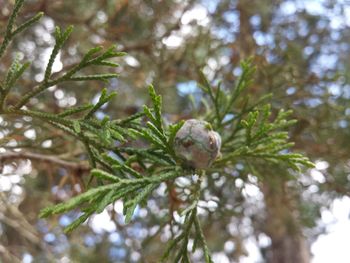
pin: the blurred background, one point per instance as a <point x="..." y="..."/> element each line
<point x="302" y="53"/>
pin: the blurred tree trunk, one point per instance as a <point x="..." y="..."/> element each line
<point x="245" y="39"/>
<point x="282" y="225"/>
<point x="288" y="243"/>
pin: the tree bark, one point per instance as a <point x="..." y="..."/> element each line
<point x="288" y="245"/>
<point x="245" y="38"/>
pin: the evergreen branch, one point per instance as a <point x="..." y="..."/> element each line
<point x="28" y="23"/>
<point x="75" y="110"/>
<point x="134" y="173"/>
<point x="263" y="139"/>
<point x="131" y="204"/>
<point x="191" y="219"/>
<point x="102" y="77"/>
<point x="108" y="63"/>
<point x="127" y="169"/>
<point x="116" y="134"/>
<point x="90" y="53"/>
<point x="61" y="38"/>
<point x="16" y="70"/>
<point x="78" y="222"/>
<point x="157" y="104"/>
<point x="38" y="89"/>
<point x="150" y="154"/>
<point x="144" y="133"/>
<point x="183" y="237"/>
<point x="69" y="75"/>
<point x="43" y="116"/>
<point x="206" y="87"/>
<point x="104" y="175"/>
<point x="76" y="201"/>
<point x="102" y="196"/>
<point x="157" y="133"/>
<point x="92" y="159"/>
<point x="8" y="34"/>
<point x="14" y="73"/>
<point x="247" y="71"/>
<point x="104" y="98"/>
<point x="129" y="118"/>
<point x="201" y="237"/>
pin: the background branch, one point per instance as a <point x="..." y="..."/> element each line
<point x="82" y="166"/>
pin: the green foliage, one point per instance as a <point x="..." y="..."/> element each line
<point x="254" y="136"/>
<point x="179" y="245"/>
<point x="131" y="173"/>
<point x="258" y="137"/>
<point x="95" y="135"/>
<point x="223" y="102"/>
<point x="92" y="57"/>
<point x="104" y="98"/>
<point x="13" y="74"/>
<point x="248" y="131"/>
<point x="61" y="38"/>
<point x="10" y="32"/>
<point x="133" y="191"/>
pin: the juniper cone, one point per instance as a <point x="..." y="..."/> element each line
<point x="197" y="144"/>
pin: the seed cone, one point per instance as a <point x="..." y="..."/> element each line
<point x="197" y="144"/>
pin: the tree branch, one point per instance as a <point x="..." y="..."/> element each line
<point x="45" y="158"/>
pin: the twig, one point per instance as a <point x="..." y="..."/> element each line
<point x="6" y="255"/>
<point x="82" y="166"/>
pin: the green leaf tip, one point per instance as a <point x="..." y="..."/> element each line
<point x="45" y="212"/>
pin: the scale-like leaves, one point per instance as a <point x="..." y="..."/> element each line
<point x="128" y="170"/>
<point x="96" y="199"/>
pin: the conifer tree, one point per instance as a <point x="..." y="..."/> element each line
<point x="129" y="158"/>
